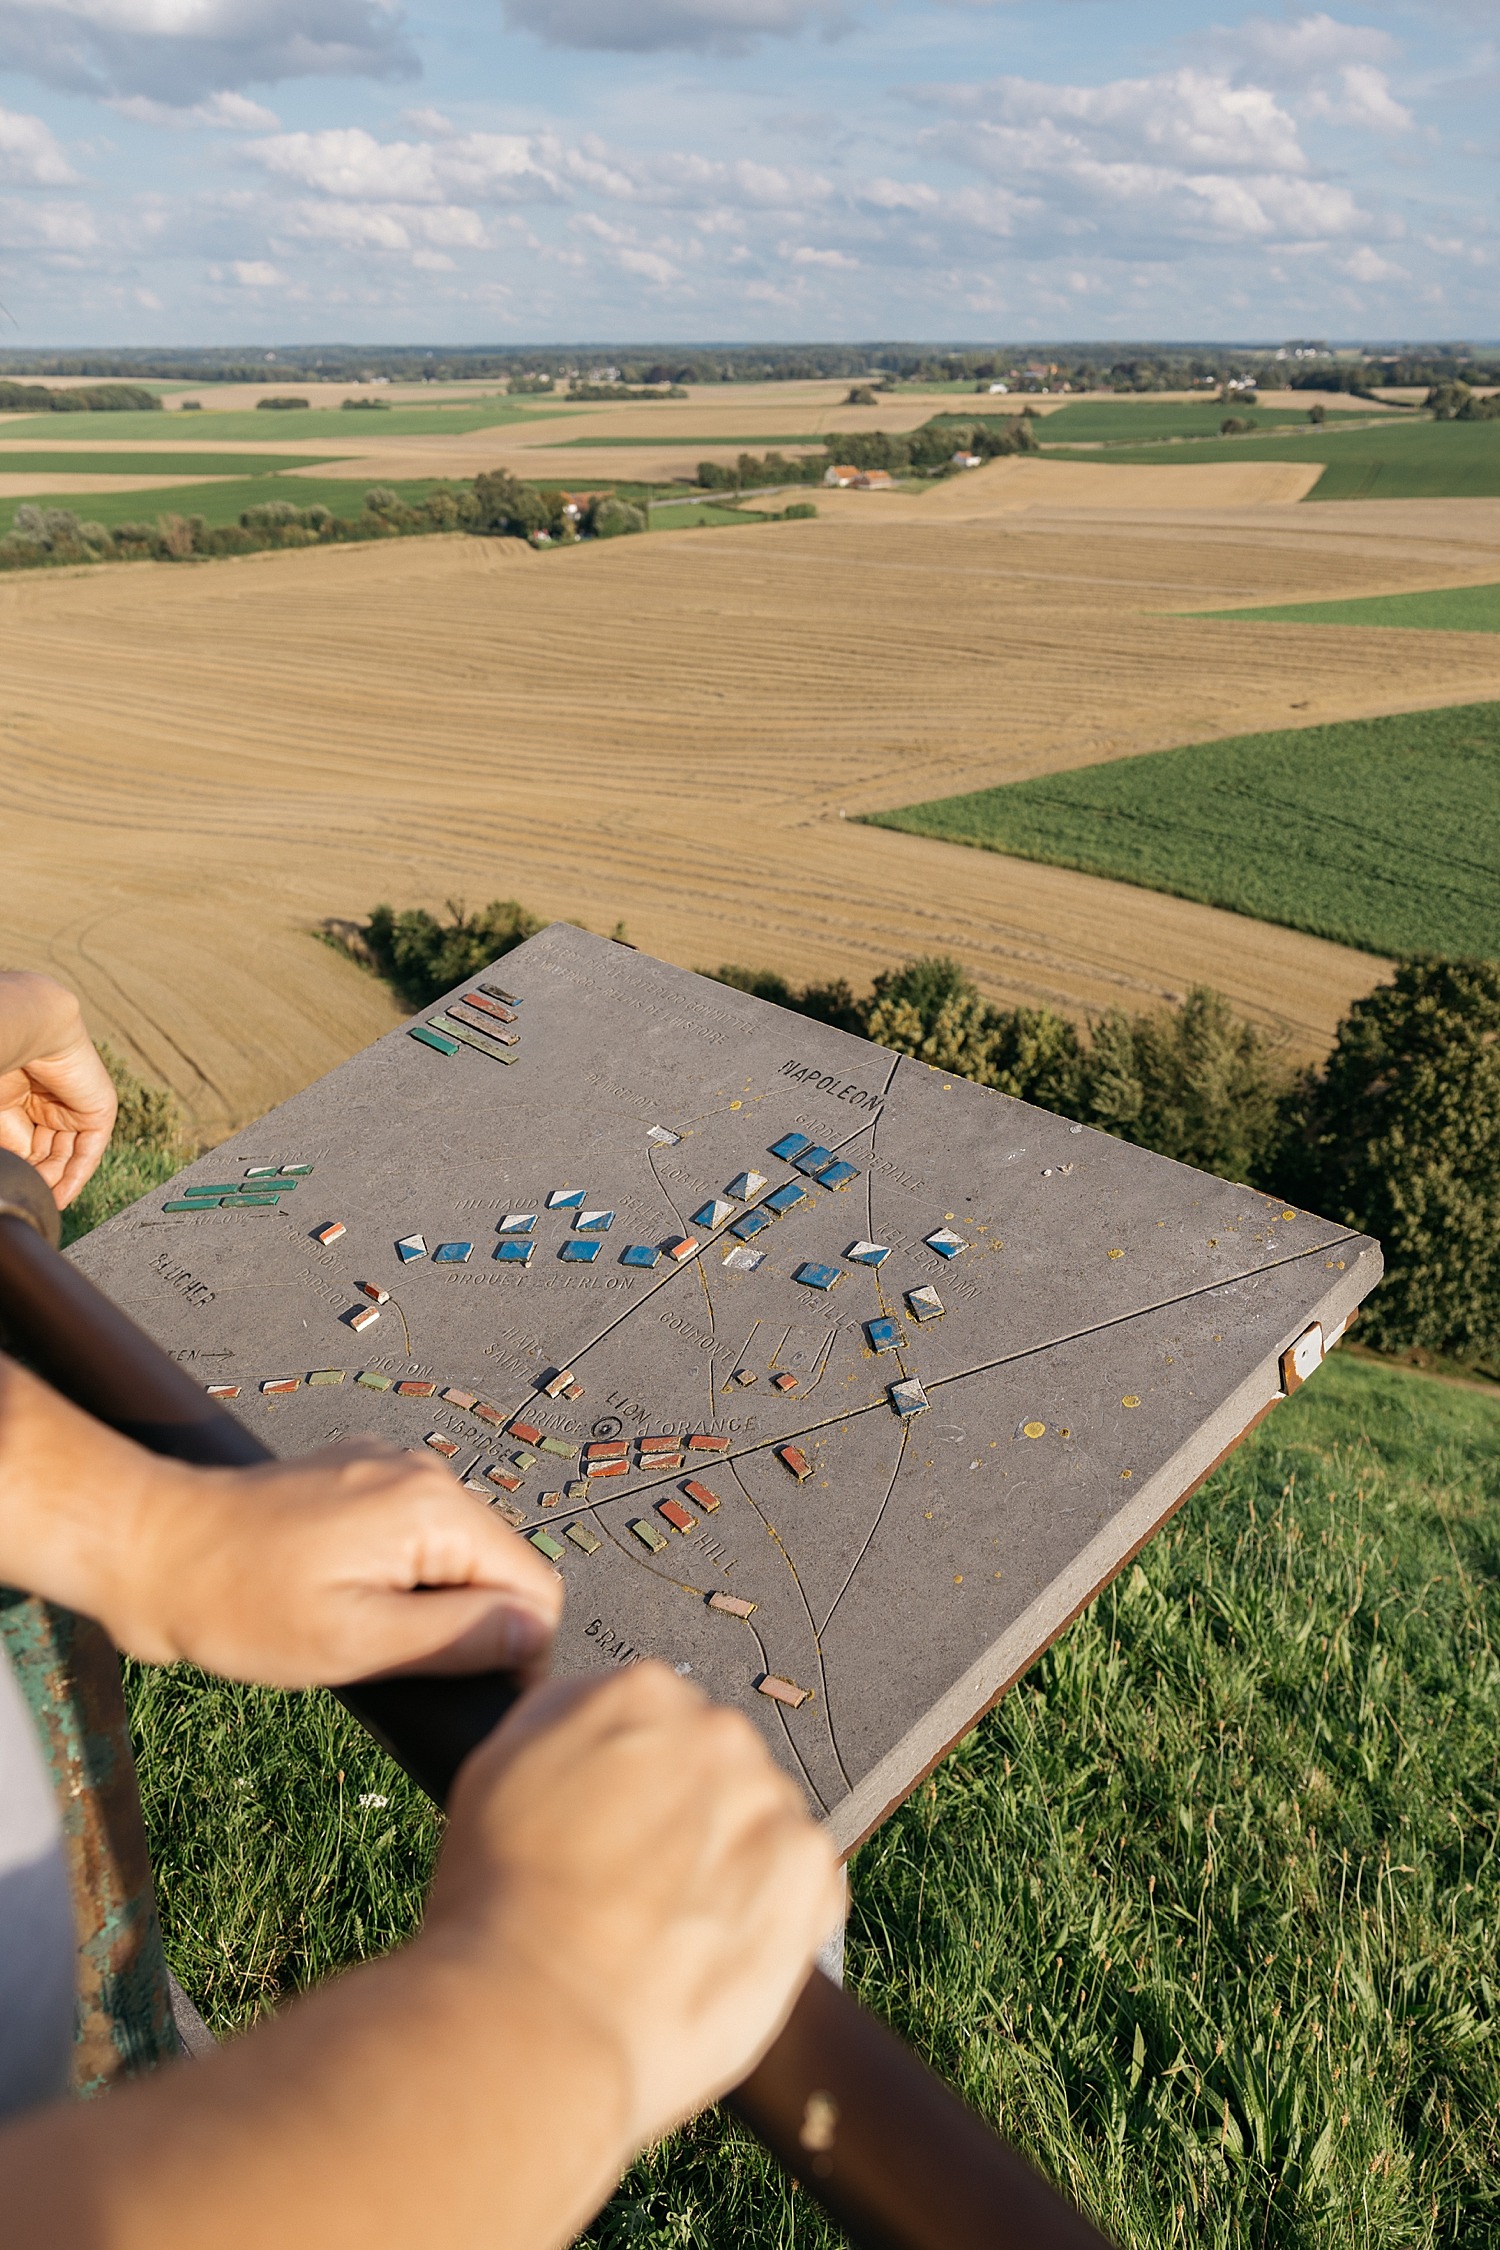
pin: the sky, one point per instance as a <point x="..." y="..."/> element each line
<point x="519" y="171"/>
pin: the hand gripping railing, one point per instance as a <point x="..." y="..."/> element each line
<point x="894" y="2157"/>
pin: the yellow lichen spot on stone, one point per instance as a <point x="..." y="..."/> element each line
<point x="1126" y="1474"/>
<point x="1117" y="1253"/>
<point x="1130" y="1399"/>
<point x="958" y="1581"/>
<point x="1033" y="1429"/>
<point x="1289" y="1214"/>
<point x="736" y="1105"/>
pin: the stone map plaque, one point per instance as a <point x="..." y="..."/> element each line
<point x="836" y="1382"/>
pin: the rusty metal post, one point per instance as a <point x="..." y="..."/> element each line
<point x="69" y="1673"/>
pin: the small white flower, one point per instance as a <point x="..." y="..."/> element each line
<point x="377" y="1802"/>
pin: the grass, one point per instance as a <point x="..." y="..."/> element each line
<point x="157" y="464"/>
<point x="1115" y="421"/>
<point x="221" y="502"/>
<point x="1391" y="460"/>
<point x="1205" y="1915"/>
<point x="686" y="515"/>
<point x="347" y="433"/>
<point x="1445" y="609"/>
<point x="1379" y="833"/>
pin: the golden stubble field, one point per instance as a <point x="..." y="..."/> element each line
<point x="202" y="762"/>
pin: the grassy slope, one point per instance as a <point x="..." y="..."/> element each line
<point x="1391" y="461"/>
<point x="1447" y="609"/>
<point x="1380" y="833"/>
<point x="343" y="433"/>
<point x="1205" y="1914"/>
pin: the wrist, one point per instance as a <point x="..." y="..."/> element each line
<point x="38" y="1016"/>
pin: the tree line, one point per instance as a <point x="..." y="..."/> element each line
<point x="927" y="451"/>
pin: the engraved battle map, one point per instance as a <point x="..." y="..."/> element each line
<point x="836" y="1382"/>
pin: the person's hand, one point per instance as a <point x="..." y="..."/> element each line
<point x="633" y="1851"/>
<point x="347" y="1563"/>
<point x="57" y="1105"/>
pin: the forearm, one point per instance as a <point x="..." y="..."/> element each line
<point x="81" y="1509"/>
<point x="398" y="2106"/>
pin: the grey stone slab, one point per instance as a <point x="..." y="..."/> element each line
<point x="923" y="1563"/>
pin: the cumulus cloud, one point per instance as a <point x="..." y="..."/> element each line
<point x="256" y="273"/>
<point x="67" y="228"/>
<point x="30" y="155"/>
<point x="1324" y="68"/>
<point x="648" y="26"/>
<point x="179" y="52"/>
<point x="1141" y="164"/>
<point x="234" y="113"/>
<point x="348" y="162"/>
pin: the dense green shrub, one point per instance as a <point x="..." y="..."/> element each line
<point x="281" y="404"/>
<point x="88" y="398"/>
<point x="422" y="957"/>
<point x="612" y="519"/>
<point x="1399" y="1135"/>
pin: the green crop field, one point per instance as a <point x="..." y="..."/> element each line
<point x="221" y="502"/>
<point x="329" y="425"/>
<point x="1446" y="609"/>
<point x="1116" y="421"/>
<point x="1380" y="833"/>
<point x="157" y="464"/>
<point x="1394" y="460"/>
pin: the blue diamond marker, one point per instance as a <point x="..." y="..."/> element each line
<point x="945" y="1242"/>
<point x="566" y="1199"/>
<point x="884" y="1335"/>
<point x="793" y="1145"/>
<point x="817" y="1277"/>
<point x="580" y="1253"/>
<point x="640" y="1254"/>
<point x="868" y="1253"/>
<point x="908" y="1398"/>
<point x="411" y="1246"/>
<point x="453" y="1253"/>
<point x="514" y="1253"/>
<point x="714" y="1212"/>
<point x="594" y="1222"/>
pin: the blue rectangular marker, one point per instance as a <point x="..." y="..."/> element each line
<point x="514" y="1252"/>
<point x="837" y="1175"/>
<point x="793" y="1145"/>
<point x="884" y="1335"/>
<point x="640" y="1254"/>
<point x="580" y="1253"/>
<point x="453" y="1253"/>
<point x="812" y="1160"/>
<point x="786" y="1198"/>
<point x="817" y="1277"/>
<point x="752" y="1223"/>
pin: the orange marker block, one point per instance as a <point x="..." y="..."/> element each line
<point x="793" y="1458"/>
<point x="783" y="1691"/>
<point x="700" y="1496"/>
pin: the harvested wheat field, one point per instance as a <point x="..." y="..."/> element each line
<point x="202" y="763"/>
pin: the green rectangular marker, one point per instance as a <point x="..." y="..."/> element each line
<point x="204" y="1203"/>
<point x="432" y="1039"/>
<point x="581" y="1536"/>
<point x="295" y="1171"/>
<point x="545" y="1544"/>
<point x="250" y="1203"/>
<point x="326" y="1375"/>
<point x="649" y="1536"/>
<point x="561" y="1447"/>
<point x="372" y="1381"/>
